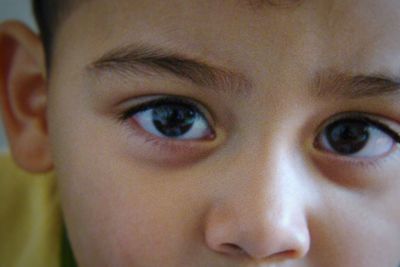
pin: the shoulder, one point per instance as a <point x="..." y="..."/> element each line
<point x="18" y="186"/>
<point x="29" y="217"/>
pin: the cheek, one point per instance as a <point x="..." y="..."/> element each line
<point x="119" y="218"/>
<point x="375" y="242"/>
<point x="362" y="216"/>
<point x="115" y="205"/>
<point x="360" y="229"/>
<point x="371" y="246"/>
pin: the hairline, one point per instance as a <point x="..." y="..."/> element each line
<point x="49" y="25"/>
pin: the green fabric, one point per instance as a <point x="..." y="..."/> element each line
<point x="67" y="257"/>
<point x="30" y="218"/>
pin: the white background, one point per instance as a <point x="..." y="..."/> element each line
<point x="14" y="9"/>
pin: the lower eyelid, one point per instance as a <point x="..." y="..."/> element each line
<point x="362" y="162"/>
<point x="354" y="175"/>
<point x="163" y="152"/>
<point x="167" y="143"/>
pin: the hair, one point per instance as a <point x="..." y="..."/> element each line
<point x="49" y="15"/>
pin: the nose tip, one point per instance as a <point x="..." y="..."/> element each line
<point x="269" y="239"/>
<point x="276" y="243"/>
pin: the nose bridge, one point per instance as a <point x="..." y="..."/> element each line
<point x="273" y="198"/>
<point x="270" y="174"/>
<point x="264" y="212"/>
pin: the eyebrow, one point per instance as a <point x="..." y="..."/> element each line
<point x="343" y="85"/>
<point x="150" y="60"/>
<point x="282" y="4"/>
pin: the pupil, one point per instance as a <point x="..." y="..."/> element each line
<point x="173" y="120"/>
<point x="348" y="136"/>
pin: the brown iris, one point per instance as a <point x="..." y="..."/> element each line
<point x="348" y="136"/>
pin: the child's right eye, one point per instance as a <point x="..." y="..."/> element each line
<point x="172" y="118"/>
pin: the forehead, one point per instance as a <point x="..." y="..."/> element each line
<point x="350" y="35"/>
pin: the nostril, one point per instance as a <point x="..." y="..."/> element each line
<point x="289" y="254"/>
<point x="233" y="249"/>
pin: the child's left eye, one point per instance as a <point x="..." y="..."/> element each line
<point x="172" y="119"/>
<point x="358" y="138"/>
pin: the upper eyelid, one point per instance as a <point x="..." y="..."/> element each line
<point x="352" y="115"/>
<point x="170" y="99"/>
<point x="372" y="119"/>
<point x="162" y="101"/>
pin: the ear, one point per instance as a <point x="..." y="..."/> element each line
<point x="23" y="96"/>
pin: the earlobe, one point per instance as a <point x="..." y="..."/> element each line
<point x="23" y="96"/>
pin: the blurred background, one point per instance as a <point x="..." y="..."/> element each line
<point x="14" y="9"/>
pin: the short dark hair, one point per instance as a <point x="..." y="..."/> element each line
<point x="49" y="15"/>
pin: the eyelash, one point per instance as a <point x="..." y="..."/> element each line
<point x="372" y="122"/>
<point x="163" y="100"/>
<point x="168" y="143"/>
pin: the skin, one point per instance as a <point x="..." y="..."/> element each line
<point x="261" y="193"/>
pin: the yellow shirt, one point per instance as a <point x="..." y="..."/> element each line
<point x="30" y="218"/>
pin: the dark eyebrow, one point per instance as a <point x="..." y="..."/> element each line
<point x="282" y="4"/>
<point x="148" y="60"/>
<point x="343" y="85"/>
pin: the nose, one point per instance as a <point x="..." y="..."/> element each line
<point x="263" y="217"/>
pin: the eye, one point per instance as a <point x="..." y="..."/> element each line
<point x="357" y="137"/>
<point x="172" y="118"/>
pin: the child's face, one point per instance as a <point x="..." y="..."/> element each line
<point x="279" y="149"/>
